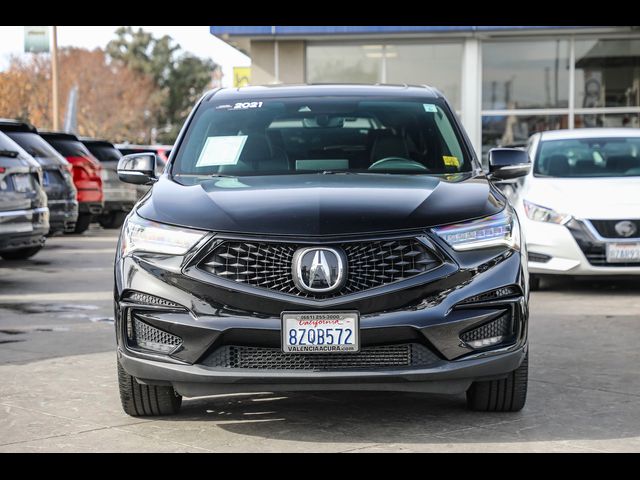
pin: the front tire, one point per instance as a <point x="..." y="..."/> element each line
<point x="146" y="400"/>
<point x="21" y="254"/>
<point x="506" y="395"/>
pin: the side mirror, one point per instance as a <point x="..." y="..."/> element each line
<point x="138" y="168"/>
<point x="508" y="163"/>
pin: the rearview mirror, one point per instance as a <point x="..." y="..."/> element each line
<point x="508" y="163"/>
<point x="138" y="168"/>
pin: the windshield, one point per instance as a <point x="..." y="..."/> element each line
<point x="589" y="157"/>
<point x="310" y="135"/>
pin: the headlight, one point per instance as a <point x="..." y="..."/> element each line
<point x="501" y="229"/>
<point x="139" y="234"/>
<point x="544" y="214"/>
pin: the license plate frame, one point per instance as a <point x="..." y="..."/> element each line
<point x="613" y="247"/>
<point x="343" y="319"/>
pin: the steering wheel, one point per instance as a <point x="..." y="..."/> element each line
<point x="396" y="163"/>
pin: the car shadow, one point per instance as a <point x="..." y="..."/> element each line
<point x="404" y="418"/>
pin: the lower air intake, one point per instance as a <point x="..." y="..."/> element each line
<point x="152" y="338"/>
<point x="387" y="356"/>
<point x="492" y="333"/>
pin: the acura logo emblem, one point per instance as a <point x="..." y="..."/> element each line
<point x="625" y="228"/>
<point x="318" y="269"/>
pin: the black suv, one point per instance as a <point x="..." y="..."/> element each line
<point x="322" y="237"/>
<point x="56" y="175"/>
<point x="24" y="216"/>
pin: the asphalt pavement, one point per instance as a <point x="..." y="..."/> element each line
<point x="58" y="389"/>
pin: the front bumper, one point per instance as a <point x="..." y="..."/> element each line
<point x="573" y="249"/>
<point x="426" y="310"/>
<point x="199" y="380"/>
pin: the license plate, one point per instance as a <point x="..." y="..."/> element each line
<point x="22" y="183"/>
<point x="320" y="332"/>
<point x="623" y="252"/>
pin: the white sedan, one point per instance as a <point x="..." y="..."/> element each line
<point x="580" y="204"/>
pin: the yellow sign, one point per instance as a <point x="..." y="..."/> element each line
<point x="451" y="161"/>
<point x="241" y="76"/>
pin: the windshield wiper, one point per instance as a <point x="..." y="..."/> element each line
<point x="221" y="175"/>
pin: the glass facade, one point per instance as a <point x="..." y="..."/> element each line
<point x="436" y="64"/>
<point x="529" y="83"/>
<point x="607" y="73"/>
<point x="527" y="86"/>
<point x="531" y="74"/>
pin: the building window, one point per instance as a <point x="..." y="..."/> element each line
<point x="607" y="73"/>
<point x="525" y="74"/>
<point x="435" y="64"/>
<point x="526" y="86"/>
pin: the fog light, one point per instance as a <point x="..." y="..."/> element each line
<point x="489" y="334"/>
<point x="485" y="342"/>
<point x="129" y="326"/>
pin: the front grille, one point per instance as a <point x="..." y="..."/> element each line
<point x="607" y="228"/>
<point x="152" y="338"/>
<point x="369" y="264"/>
<point x="497" y="331"/>
<point x="594" y="250"/>
<point x="597" y="256"/>
<point x="387" y="356"/>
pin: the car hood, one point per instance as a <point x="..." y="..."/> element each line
<point x="597" y="198"/>
<point x="316" y="204"/>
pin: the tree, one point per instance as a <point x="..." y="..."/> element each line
<point x="180" y="77"/>
<point x="114" y="101"/>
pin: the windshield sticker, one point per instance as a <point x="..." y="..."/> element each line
<point x="430" y="107"/>
<point x="219" y="151"/>
<point x="451" y="161"/>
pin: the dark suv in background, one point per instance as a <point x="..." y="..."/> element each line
<point x="87" y="176"/>
<point x="119" y="197"/>
<point x="24" y="216"/>
<point x="56" y="175"/>
<point x="322" y="238"/>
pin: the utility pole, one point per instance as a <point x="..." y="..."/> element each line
<point x="54" y="78"/>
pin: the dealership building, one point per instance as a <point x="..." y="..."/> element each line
<point x="505" y="82"/>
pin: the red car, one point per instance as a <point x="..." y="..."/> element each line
<point x="87" y="177"/>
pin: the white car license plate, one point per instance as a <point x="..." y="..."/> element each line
<point x="623" y="252"/>
<point x="320" y="332"/>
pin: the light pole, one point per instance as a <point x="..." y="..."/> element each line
<point x="54" y="77"/>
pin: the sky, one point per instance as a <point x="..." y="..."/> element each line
<point x="196" y="40"/>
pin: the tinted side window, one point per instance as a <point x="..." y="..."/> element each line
<point x="33" y="144"/>
<point x="70" y="148"/>
<point x="104" y="153"/>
